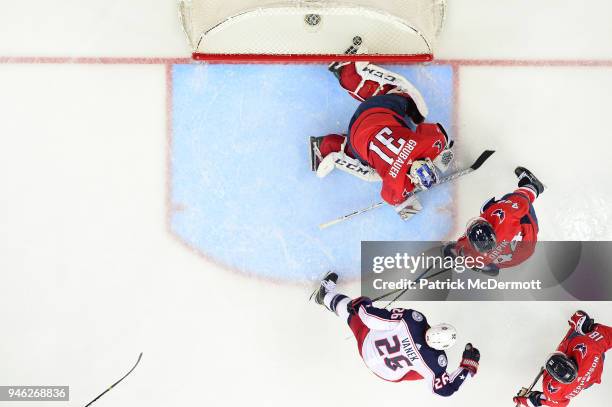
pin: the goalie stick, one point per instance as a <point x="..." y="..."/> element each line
<point x="524" y="391"/>
<point x="116" y="383"/>
<point x="451" y="177"/>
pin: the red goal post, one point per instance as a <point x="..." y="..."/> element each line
<point x="311" y="31"/>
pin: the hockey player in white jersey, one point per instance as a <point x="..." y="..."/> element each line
<point x="399" y="344"/>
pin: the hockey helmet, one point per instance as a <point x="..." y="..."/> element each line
<point x="423" y="174"/>
<point x="441" y="337"/>
<point x="561" y="368"/>
<point x="481" y="235"/>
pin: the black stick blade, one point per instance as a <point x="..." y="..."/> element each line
<point x="481" y="160"/>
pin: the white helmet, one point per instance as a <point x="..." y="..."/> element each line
<point x="423" y="174"/>
<point x="441" y="337"/>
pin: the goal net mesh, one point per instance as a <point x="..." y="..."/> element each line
<point x="268" y="28"/>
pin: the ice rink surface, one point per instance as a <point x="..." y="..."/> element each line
<point x="92" y="272"/>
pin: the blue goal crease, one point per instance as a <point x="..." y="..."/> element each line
<point x="241" y="172"/>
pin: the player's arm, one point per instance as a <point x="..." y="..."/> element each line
<point x="446" y="385"/>
<point x="582" y="324"/>
<point x="538" y="399"/>
<point x="363" y="80"/>
<point x="606" y="332"/>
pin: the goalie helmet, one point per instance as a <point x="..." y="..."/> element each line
<point x="562" y="368"/>
<point x="481" y="235"/>
<point x="441" y="337"/>
<point x="423" y="174"/>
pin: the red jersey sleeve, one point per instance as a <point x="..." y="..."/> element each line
<point x="606" y="332"/>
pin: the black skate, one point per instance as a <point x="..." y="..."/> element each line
<point x="315" y="154"/>
<point x="336" y="67"/>
<point x="527" y="179"/>
<point x="328" y="283"/>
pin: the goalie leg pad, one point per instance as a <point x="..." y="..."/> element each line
<point x="349" y="165"/>
<point x="363" y="80"/>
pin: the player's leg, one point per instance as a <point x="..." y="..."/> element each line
<point x="330" y="152"/>
<point x="528" y="183"/>
<point x="326" y="295"/>
<point x="340" y="305"/>
<point x="529" y="188"/>
<point x="364" y="80"/>
<point x="321" y="147"/>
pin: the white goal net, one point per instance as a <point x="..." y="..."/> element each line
<point x="302" y="30"/>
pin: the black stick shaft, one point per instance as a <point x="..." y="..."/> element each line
<point x="116" y="383"/>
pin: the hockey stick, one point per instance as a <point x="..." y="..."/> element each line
<point x="477" y="164"/>
<point x="525" y="391"/>
<point x="419" y="278"/>
<point x="117" y="382"/>
<point x="399" y="290"/>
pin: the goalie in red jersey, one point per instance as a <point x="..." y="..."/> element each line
<point x="506" y="233"/>
<point x="575" y="366"/>
<point x="387" y="139"/>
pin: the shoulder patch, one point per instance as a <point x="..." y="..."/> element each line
<point x="552" y="389"/>
<point x="442" y="361"/>
<point x="417" y="316"/>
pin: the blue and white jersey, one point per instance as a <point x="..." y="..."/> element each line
<point x="395" y="349"/>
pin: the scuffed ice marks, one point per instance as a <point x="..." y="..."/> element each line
<point x="594" y="224"/>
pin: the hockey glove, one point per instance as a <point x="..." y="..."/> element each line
<point x="353" y="306"/>
<point x="490" y="270"/>
<point x="408" y="208"/>
<point x="581" y="322"/>
<point x="451" y="250"/>
<point x="471" y="357"/>
<point x="531" y="399"/>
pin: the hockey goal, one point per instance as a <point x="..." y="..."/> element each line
<point x="308" y="30"/>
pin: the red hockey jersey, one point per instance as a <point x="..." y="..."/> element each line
<point x="588" y="352"/>
<point x="381" y="137"/>
<point x="516" y="230"/>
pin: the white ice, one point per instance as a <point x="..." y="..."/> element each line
<point x="91" y="277"/>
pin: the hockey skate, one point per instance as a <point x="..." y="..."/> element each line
<point x="315" y="153"/>
<point x="328" y="284"/>
<point x="336" y="67"/>
<point x="526" y="178"/>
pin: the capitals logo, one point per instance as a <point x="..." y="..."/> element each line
<point x="581" y="347"/>
<point x="500" y="214"/>
<point x="552" y="389"/>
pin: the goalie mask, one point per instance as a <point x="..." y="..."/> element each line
<point x="481" y="236"/>
<point x="423" y="174"/>
<point x="441" y="337"/>
<point x="562" y="368"/>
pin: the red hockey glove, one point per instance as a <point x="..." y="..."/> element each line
<point x="531" y="399"/>
<point x="581" y="322"/>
